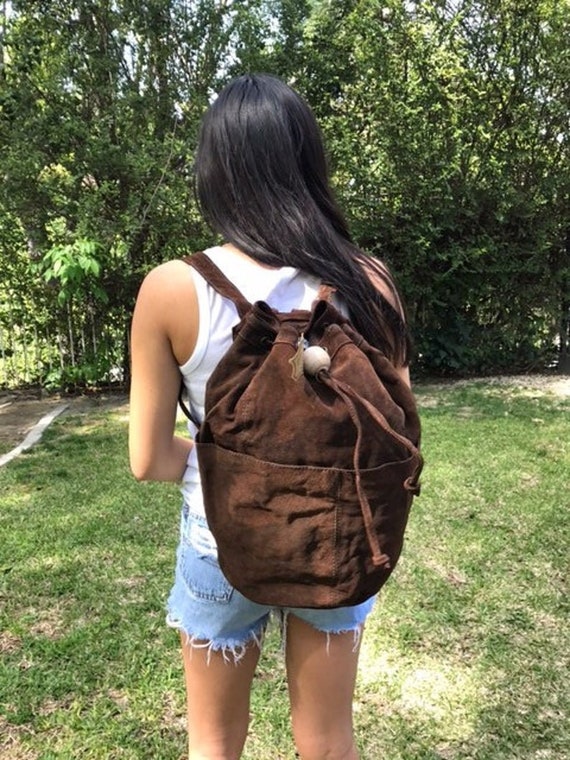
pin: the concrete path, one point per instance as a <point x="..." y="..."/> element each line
<point x="34" y="435"/>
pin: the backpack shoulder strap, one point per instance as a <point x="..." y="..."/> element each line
<point x="225" y="287"/>
<point x="218" y="280"/>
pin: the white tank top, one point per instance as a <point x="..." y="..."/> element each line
<point x="284" y="289"/>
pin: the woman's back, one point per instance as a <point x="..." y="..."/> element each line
<point x="283" y="288"/>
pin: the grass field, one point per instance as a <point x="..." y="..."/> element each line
<point x="466" y="655"/>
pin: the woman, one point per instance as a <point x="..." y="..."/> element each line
<point x="262" y="184"/>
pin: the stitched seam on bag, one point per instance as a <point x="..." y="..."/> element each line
<point x="253" y="459"/>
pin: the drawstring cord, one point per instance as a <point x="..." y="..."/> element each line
<point x="411" y="484"/>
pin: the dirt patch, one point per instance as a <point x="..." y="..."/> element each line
<point x="9" y="643"/>
<point x="431" y="394"/>
<point x="556" y="385"/>
<point x="11" y="745"/>
<point x="21" y="411"/>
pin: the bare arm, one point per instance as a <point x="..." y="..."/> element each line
<point x="165" y="323"/>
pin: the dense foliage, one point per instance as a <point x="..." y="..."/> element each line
<point x="446" y="121"/>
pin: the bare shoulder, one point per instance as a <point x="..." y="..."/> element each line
<point x="167" y="306"/>
<point x="165" y="288"/>
<point x="168" y="279"/>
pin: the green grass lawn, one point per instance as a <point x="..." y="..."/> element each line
<point x="466" y="655"/>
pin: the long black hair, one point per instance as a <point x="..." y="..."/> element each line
<point x="261" y="181"/>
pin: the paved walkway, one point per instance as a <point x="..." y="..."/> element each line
<point x="24" y="418"/>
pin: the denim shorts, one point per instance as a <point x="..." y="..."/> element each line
<point x="214" y="615"/>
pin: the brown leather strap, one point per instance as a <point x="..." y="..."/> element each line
<point x="225" y="287"/>
<point x="218" y="280"/>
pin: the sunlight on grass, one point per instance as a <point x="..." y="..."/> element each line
<point x="464" y="657"/>
<point x="439" y="691"/>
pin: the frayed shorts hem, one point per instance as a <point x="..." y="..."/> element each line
<point x="211" y="614"/>
<point x="232" y="649"/>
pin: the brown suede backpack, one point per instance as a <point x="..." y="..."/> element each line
<point x="308" y="455"/>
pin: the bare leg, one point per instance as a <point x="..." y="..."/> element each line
<point x="217" y="692"/>
<point x="321" y="671"/>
